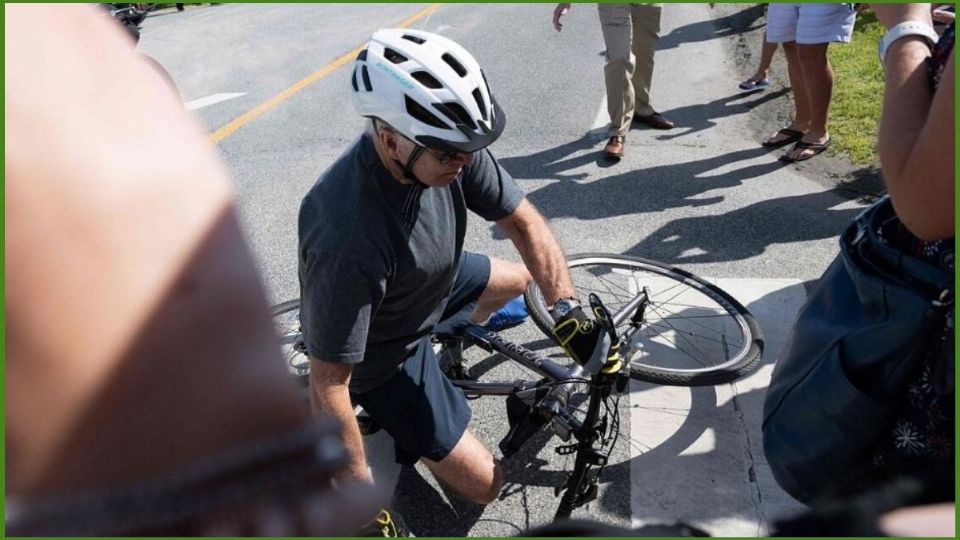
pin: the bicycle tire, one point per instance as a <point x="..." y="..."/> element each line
<point x="717" y="367"/>
<point x="286" y="320"/>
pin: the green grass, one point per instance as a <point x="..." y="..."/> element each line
<point x="857" y="92"/>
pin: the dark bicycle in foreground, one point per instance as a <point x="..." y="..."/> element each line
<point x="666" y="326"/>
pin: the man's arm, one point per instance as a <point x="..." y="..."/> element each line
<point x="540" y="251"/>
<point x="330" y="396"/>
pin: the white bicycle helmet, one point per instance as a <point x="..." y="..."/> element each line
<point x="428" y="88"/>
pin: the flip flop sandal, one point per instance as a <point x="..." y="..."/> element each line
<point x="816" y="148"/>
<point x="753" y="84"/>
<point x="792" y="137"/>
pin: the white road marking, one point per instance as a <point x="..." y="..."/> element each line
<point x="211" y="100"/>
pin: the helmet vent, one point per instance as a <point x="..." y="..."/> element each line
<point x="455" y="112"/>
<point x="417" y="111"/>
<point x="362" y="56"/>
<point x="427" y="80"/>
<point x="353" y="80"/>
<point x="415" y="39"/>
<point x="394" y="56"/>
<point x="456" y="66"/>
<point x="479" y="98"/>
<point x="366" y="79"/>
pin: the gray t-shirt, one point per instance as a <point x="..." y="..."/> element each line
<point x="378" y="258"/>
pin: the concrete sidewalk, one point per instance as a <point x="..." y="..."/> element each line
<point x="697" y="453"/>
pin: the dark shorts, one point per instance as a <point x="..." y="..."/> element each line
<point x="424" y="413"/>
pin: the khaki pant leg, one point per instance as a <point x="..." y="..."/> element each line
<point x="618" y="72"/>
<point x="646" y="33"/>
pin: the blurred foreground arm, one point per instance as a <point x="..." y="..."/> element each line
<point x="138" y="335"/>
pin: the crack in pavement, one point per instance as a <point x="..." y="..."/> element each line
<point x="756" y="495"/>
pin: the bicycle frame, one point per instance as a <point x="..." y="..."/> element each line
<point x="492" y="342"/>
<point x="580" y="488"/>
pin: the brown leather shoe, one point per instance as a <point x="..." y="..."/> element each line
<point x="614" y="147"/>
<point x="654" y="120"/>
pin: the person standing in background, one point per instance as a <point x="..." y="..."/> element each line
<point x="806" y="31"/>
<point x="630" y="34"/>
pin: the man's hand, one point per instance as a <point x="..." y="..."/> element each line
<point x="585" y="340"/>
<point x="561" y="10"/>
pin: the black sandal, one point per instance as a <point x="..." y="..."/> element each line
<point x="816" y="148"/>
<point x="793" y="136"/>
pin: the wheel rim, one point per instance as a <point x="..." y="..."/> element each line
<point x="286" y="321"/>
<point x="690" y="327"/>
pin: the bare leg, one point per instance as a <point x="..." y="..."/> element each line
<point x="470" y="470"/>
<point x="507" y="280"/>
<point x="766" y="58"/>
<point x="801" y="100"/>
<point x="818" y="78"/>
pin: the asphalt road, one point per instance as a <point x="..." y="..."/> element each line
<point x="703" y="196"/>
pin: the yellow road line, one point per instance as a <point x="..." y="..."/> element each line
<point x="246" y="117"/>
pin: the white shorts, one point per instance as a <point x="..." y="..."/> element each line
<point x="810" y="23"/>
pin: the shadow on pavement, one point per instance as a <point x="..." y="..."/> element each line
<point x="636" y="191"/>
<point x="711" y="29"/>
<point x="554" y="163"/>
<point x="746" y="232"/>
<point x="700" y="117"/>
<point x="427" y="513"/>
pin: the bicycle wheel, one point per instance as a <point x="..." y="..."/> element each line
<point x="691" y="333"/>
<point x="286" y="319"/>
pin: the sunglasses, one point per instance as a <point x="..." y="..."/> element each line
<point x="444" y="157"/>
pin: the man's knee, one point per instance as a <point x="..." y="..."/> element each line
<point x="470" y="470"/>
<point x="522" y="277"/>
<point x="508" y="279"/>
<point x="493" y="488"/>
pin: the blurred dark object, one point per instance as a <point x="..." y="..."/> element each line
<point x="587" y="528"/>
<point x="843" y="514"/>
<point x="128" y="15"/>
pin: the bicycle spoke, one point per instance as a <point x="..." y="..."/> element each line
<point x="718" y="340"/>
<point x="681" y="334"/>
<point x="677" y="347"/>
<point x="676" y="330"/>
<point x="658" y="293"/>
<point x="690" y="318"/>
<point x="606" y="283"/>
